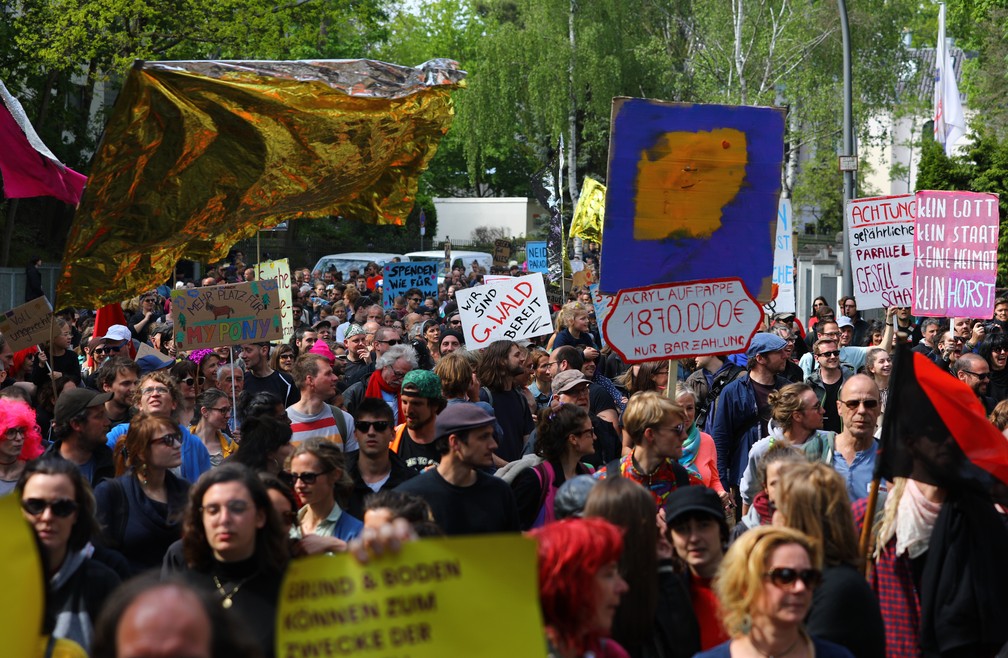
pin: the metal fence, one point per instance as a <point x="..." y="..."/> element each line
<point x="12" y="284"/>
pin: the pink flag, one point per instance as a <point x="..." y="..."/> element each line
<point x="28" y="167"/>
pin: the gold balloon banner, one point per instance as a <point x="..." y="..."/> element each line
<point x="199" y="155"/>
<point x="590" y="212"/>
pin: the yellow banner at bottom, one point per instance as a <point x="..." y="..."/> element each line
<point x="460" y="596"/>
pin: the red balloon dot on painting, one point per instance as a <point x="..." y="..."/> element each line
<point x="725" y="144"/>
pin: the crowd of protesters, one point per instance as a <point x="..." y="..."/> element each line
<point x="708" y="510"/>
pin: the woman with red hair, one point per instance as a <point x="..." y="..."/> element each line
<point x="580" y="586"/>
<point x="20" y="441"/>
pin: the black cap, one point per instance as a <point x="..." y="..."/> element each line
<point x="695" y="499"/>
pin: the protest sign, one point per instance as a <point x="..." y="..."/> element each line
<point x="513" y="309"/>
<point x="419" y="603"/>
<point x="682" y="319"/>
<point x="535" y="255"/>
<point x="502" y="252"/>
<point x="692" y="193"/>
<point x="280" y="270"/>
<point x="955" y="254"/>
<point x="783" y="261"/>
<point x="27" y="325"/>
<point x="400" y="277"/>
<point x="881" y="243"/>
<point x="603" y="304"/>
<point x="490" y="278"/>
<point x="21" y="614"/>
<point x="230" y="314"/>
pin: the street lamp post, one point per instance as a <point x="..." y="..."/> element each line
<point x="848" y="146"/>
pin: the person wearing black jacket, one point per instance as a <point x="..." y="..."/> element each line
<point x="81" y="426"/>
<point x="373" y="467"/>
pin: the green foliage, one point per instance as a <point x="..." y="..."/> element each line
<point x="983" y="169"/>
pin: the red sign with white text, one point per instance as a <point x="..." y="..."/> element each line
<point x="676" y="320"/>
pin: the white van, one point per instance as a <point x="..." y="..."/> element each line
<point x="354" y="260"/>
<point x="463" y="258"/>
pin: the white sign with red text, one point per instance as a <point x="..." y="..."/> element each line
<point x="881" y="248"/>
<point x="512" y="309"/>
<point x="603" y="304"/>
<point x="676" y="320"/>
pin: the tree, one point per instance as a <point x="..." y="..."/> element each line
<point x="983" y="169"/>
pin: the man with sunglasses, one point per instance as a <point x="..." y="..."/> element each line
<point x="373" y="467"/>
<point x="851" y="355"/>
<point x="973" y="370"/>
<point x="827" y="380"/>
<point x="855" y="448"/>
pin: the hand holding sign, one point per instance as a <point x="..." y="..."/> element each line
<point x="677" y="320"/>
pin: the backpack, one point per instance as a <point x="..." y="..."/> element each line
<point x="340" y="423"/>
<point x="544" y="472"/>
<point x="707" y="406"/>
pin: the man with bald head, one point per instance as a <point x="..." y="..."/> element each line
<point x="974" y="371"/>
<point x="854" y="448"/>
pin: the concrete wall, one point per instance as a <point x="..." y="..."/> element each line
<point x="458" y="217"/>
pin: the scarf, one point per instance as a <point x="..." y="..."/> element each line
<point x="915" y="521"/>
<point x="764" y="508"/>
<point x="690" y="448"/>
<point x="376" y="386"/>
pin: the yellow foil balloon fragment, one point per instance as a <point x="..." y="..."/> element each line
<point x="685" y="180"/>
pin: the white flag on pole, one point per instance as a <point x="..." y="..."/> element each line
<point x="949" y="121"/>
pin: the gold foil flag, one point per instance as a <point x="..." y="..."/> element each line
<point x="199" y="155"/>
<point x="590" y="212"/>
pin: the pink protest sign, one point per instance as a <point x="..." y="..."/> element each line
<point x="955" y="254"/>
<point x="677" y="320"/>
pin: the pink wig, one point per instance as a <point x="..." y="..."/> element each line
<point x="17" y="414"/>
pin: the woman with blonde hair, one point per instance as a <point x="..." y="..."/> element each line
<point x="765" y="586"/>
<point x="318" y="475"/>
<point x="878" y="365"/>
<point x="813" y="499"/>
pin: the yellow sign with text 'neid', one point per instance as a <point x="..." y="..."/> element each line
<point x="437" y="597"/>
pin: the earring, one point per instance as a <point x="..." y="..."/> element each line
<point x="746" y="625"/>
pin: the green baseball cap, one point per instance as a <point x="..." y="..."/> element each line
<point x="421" y="383"/>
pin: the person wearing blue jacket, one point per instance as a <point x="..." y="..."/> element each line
<point x="157" y="394"/>
<point x="743" y="409"/>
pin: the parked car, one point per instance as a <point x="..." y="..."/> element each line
<point x="355" y="260"/>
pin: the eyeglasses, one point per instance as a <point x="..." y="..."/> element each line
<point x="416" y="299"/>
<point x="552" y="363"/>
<point x="390" y="343"/>
<point x="455" y="323"/>
<point x="832" y="334"/>
<point x="399" y="375"/>
<point x="999" y="349"/>
<point x="15" y="431"/>
<point x="288" y="355"/>
<point x="307" y="477"/>
<point x="62" y="508"/>
<point x="583" y="433"/>
<point x="366" y="425"/>
<point x="978" y="375"/>
<point x="224" y="410"/>
<point x="151" y="390"/>
<point x="785" y="578"/>
<point x="829" y="353"/>
<point x="869" y="403"/>
<point x="236" y="507"/>
<point x="814" y="407"/>
<point x="169" y="440"/>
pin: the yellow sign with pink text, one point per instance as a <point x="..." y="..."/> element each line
<point x="437" y="597"/>
<point x="230" y="314"/>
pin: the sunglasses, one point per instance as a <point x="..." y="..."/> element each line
<point x="366" y="425"/>
<point x="235" y="507"/>
<point x="188" y="381"/>
<point x="785" y="577"/>
<point x="390" y="343"/>
<point x="62" y="508"/>
<point x="830" y="353"/>
<point x="978" y="375"/>
<point x="169" y="440"/>
<point x="869" y="403"/>
<point x="307" y="477"/>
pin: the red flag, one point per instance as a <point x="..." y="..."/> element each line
<point x="936" y="430"/>
<point x="28" y="167"/>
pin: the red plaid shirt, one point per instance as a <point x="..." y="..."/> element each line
<point x="892" y="581"/>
